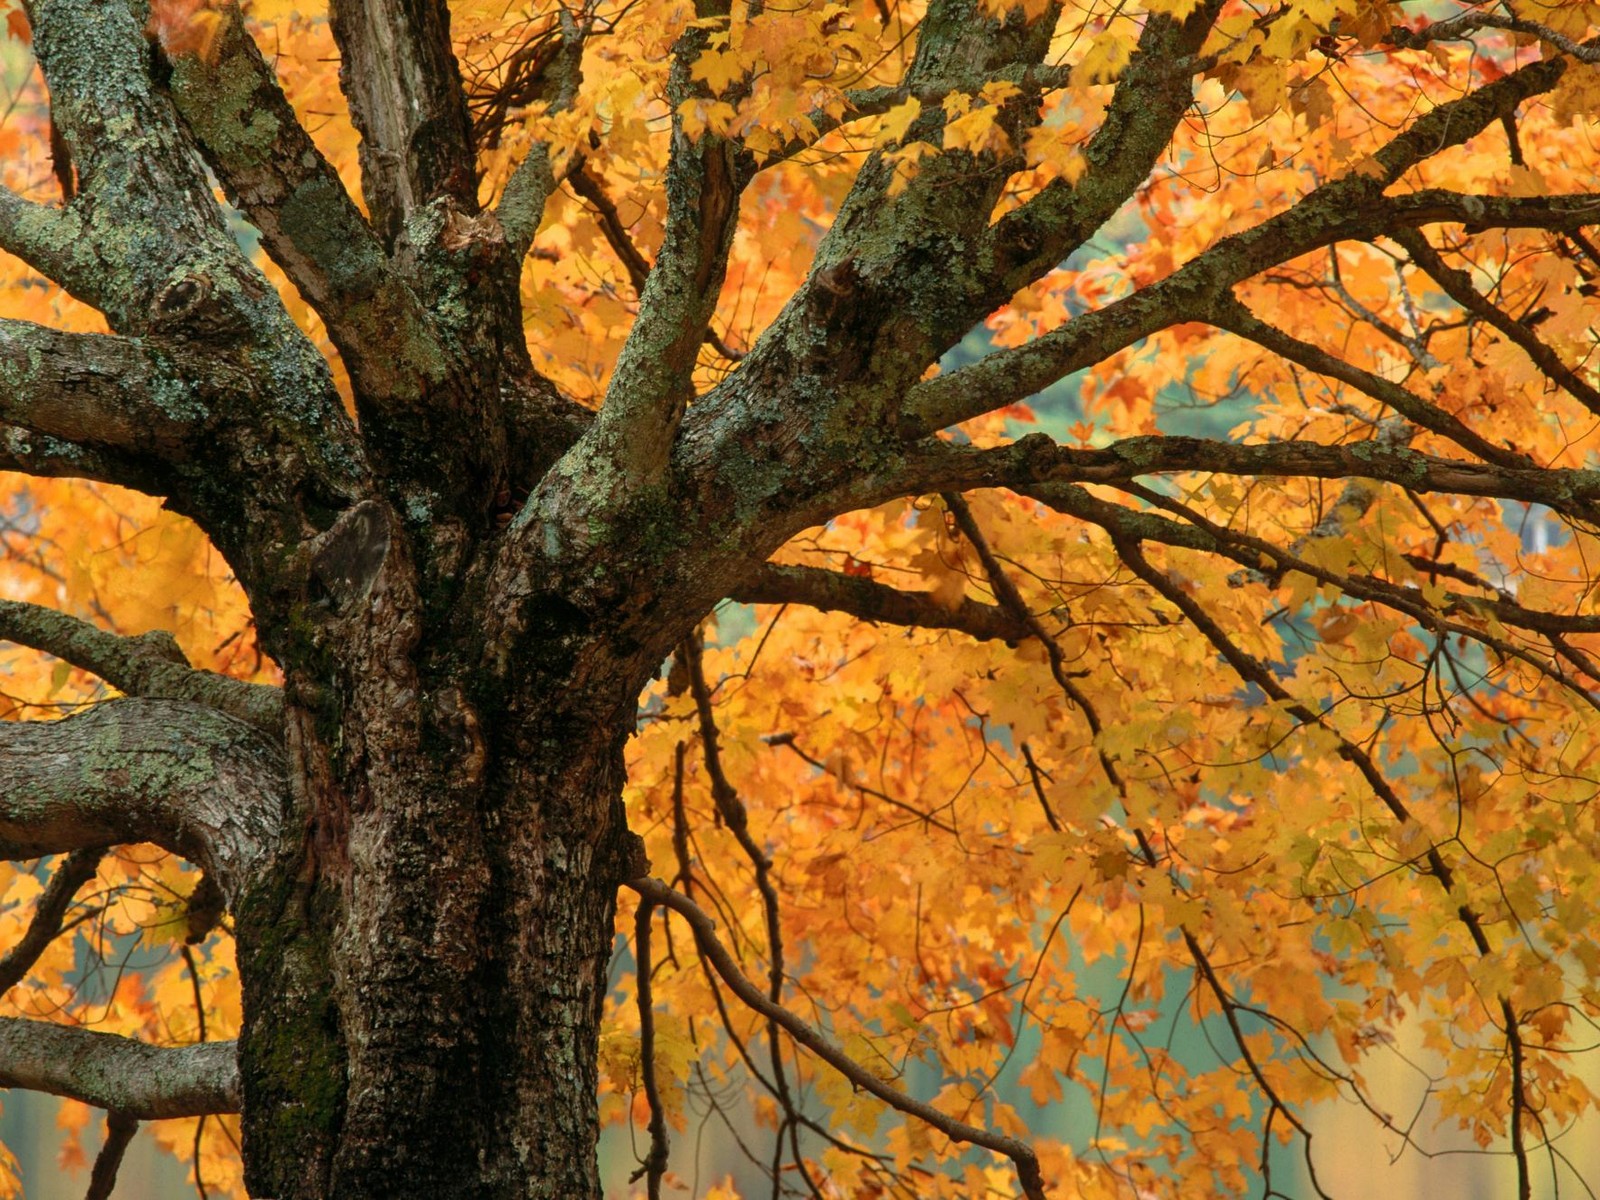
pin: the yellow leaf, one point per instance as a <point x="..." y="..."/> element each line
<point x="897" y="120"/>
<point x="718" y="69"/>
<point x="1105" y="59"/>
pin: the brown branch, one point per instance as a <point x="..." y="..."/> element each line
<point x="652" y="382"/>
<point x="1255" y="553"/>
<point x="1233" y="316"/>
<point x="533" y="181"/>
<point x="732" y="810"/>
<point x="1252" y="671"/>
<point x="655" y="1162"/>
<point x="193" y="781"/>
<point x="1458" y="28"/>
<point x="832" y="591"/>
<point x="309" y="224"/>
<point x="400" y="77"/>
<point x="704" y="928"/>
<point x="120" y="1128"/>
<point x="1351" y="206"/>
<point x="1149" y="101"/>
<point x="616" y="233"/>
<point x="1012" y="603"/>
<point x="787" y="739"/>
<point x="111" y="394"/>
<point x="48" y="913"/>
<point x="622" y="245"/>
<point x="931" y="466"/>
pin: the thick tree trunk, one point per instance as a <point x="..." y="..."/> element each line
<point x="425" y="967"/>
<point x="423" y="1019"/>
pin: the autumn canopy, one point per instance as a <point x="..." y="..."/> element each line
<point x="918" y="598"/>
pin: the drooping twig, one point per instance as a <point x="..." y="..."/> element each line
<point x="1020" y="1153"/>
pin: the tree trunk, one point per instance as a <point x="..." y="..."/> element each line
<point x="424" y="970"/>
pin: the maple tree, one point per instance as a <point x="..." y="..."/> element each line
<point x="497" y="483"/>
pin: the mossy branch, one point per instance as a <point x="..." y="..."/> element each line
<point x="148" y="665"/>
<point x="141" y="1081"/>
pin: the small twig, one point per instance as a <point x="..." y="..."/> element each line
<point x="1027" y="1163"/>
<point x="1038" y="788"/>
<point x="48" y="914"/>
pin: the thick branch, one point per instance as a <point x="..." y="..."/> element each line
<point x="107" y="393"/>
<point x="149" y="665"/>
<point x="277" y="177"/>
<point x="653" y="380"/>
<point x="149" y="1083"/>
<point x="936" y="466"/>
<point x="656" y="892"/>
<point x="1149" y="101"/>
<point x="831" y="591"/>
<point x="403" y="84"/>
<point x="184" y="777"/>
<point x="120" y="1128"/>
<point x="38" y="234"/>
<point x="144" y="206"/>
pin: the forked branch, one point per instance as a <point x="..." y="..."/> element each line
<point x="404" y="88"/>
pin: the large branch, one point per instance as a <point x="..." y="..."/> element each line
<point x="43" y="237"/>
<point x="276" y="176"/>
<point x="935" y="466"/>
<point x="147" y="1082"/>
<point x="103" y="392"/>
<point x="404" y="88"/>
<point x="653" y="380"/>
<point x="144" y="205"/>
<point x="1150" y="99"/>
<point x="148" y="665"/>
<point x="190" y="780"/>
<point x="831" y="591"/>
